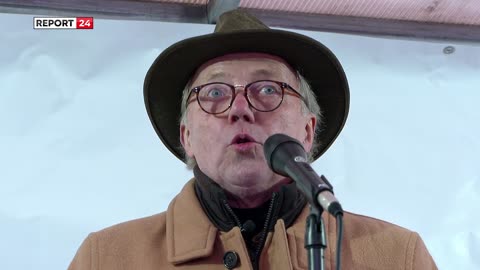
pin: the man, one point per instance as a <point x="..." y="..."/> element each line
<point x="242" y="84"/>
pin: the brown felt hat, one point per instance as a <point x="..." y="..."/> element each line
<point x="238" y="31"/>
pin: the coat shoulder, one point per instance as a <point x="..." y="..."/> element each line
<point x="364" y="229"/>
<point x="368" y="224"/>
<point x="384" y="245"/>
<point x="123" y="241"/>
<point x="124" y="246"/>
<point x="141" y="229"/>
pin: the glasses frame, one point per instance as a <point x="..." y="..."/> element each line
<point x="284" y="86"/>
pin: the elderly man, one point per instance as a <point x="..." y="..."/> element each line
<point x="242" y="84"/>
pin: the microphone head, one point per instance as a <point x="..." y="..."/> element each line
<point x="248" y="227"/>
<point x="280" y="149"/>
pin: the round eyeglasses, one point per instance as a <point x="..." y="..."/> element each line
<point x="263" y="96"/>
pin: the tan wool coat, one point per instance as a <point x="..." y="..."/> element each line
<point x="184" y="238"/>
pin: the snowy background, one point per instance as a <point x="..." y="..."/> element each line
<point x="78" y="153"/>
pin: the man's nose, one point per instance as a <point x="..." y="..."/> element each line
<point x="240" y="109"/>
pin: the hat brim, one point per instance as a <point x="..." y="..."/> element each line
<point x="173" y="68"/>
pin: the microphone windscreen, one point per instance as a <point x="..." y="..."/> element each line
<point x="279" y="148"/>
<point x="249" y="226"/>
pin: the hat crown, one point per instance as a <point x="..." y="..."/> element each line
<point x="237" y="20"/>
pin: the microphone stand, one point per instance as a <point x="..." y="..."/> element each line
<point x="315" y="239"/>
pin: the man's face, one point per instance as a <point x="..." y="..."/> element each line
<point x="217" y="142"/>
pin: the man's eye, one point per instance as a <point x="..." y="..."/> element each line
<point x="268" y="90"/>
<point x="215" y="93"/>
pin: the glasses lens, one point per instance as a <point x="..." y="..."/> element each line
<point x="215" y="97"/>
<point x="265" y="95"/>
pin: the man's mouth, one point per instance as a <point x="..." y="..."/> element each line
<point x="242" y="139"/>
<point x="243" y="143"/>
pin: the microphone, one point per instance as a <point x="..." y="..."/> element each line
<point x="248" y="227"/>
<point x="286" y="156"/>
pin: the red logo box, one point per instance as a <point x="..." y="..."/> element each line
<point x="84" y="22"/>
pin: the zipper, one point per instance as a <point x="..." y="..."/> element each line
<point x="235" y="218"/>
<point x="264" y="232"/>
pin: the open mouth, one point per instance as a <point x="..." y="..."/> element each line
<point x="242" y="139"/>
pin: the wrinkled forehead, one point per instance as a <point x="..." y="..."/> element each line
<point x="245" y="66"/>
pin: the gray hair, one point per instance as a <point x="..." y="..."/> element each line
<point x="309" y="106"/>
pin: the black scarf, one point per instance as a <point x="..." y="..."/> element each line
<point x="288" y="205"/>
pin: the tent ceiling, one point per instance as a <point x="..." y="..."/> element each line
<point x="425" y="19"/>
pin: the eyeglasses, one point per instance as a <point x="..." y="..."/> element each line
<point x="263" y="96"/>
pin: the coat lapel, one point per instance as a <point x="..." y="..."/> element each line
<point x="276" y="253"/>
<point x="190" y="235"/>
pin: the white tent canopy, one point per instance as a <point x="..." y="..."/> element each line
<point x="425" y="19"/>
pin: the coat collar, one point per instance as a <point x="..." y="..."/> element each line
<point x="185" y="214"/>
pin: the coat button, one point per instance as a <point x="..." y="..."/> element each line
<point x="230" y="259"/>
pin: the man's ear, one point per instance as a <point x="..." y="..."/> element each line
<point x="185" y="140"/>
<point x="309" y="132"/>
